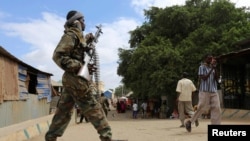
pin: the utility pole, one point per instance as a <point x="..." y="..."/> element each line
<point x="122" y="90"/>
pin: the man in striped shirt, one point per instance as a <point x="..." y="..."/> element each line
<point x="208" y="96"/>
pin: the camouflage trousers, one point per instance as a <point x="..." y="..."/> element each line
<point x="77" y="91"/>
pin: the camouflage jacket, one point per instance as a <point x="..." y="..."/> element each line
<point x="69" y="54"/>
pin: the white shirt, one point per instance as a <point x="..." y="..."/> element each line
<point x="135" y="107"/>
<point x="185" y="87"/>
<point x="144" y="105"/>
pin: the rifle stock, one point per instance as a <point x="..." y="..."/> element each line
<point x="85" y="70"/>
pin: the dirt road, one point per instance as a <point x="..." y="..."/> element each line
<point x="124" y="127"/>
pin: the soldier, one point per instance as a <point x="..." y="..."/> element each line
<point x="105" y="104"/>
<point x="68" y="55"/>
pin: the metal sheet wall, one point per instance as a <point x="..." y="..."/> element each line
<point x="23" y="81"/>
<point x="13" y="112"/>
<point x="43" y="87"/>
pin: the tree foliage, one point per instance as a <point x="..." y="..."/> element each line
<point x="174" y="39"/>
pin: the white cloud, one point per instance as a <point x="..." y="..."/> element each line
<point x="140" y="5"/>
<point x="43" y="35"/>
<point x="115" y="35"/>
<point x="241" y="3"/>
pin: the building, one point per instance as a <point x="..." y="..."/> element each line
<point x="234" y="69"/>
<point x="25" y="92"/>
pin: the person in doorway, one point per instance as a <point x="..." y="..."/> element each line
<point x="69" y="56"/>
<point x="185" y="88"/>
<point x="208" y="95"/>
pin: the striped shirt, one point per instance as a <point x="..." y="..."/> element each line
<point x="209" y="85"/>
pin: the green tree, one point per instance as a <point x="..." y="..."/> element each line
<point x="174" y="39"/>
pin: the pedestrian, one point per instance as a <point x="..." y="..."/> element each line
<point x="151" y="108"/>
<point x="157" y="107"/>
<point x="105" y="104"/>
<point x="118" y="106"/>
<point x="123" y="105"/>
<point x="69" y="56"/>
<point x="79" y="112"/>
<point x="185" y="88"/>
<point x="135" y="110"/>
<point x="208" y="95"/>
<point x="83" y="117"/>
<point x="144" y="106"/>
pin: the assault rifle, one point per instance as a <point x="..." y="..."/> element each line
<point x="88" y="66"/>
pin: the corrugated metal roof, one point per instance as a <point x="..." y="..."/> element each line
<point x="6" y="54"/>
<point x="236" y="53"/>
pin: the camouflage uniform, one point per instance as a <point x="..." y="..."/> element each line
<point x="68" y="56"/>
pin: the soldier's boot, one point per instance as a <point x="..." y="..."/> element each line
<point x="105" y="139"/>
<point x="49" y="138"/>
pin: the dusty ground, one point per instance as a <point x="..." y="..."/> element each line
<point x="124" y="127"/>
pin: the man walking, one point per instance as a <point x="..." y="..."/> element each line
<point x="208" y="96"/>
<point x="144" y="106"/>
<point x="105" y="104"/>
<point x="185" y="88"/>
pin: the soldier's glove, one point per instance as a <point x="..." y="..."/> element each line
<point x="92" y="68"/>
<point x="89" y="38"/>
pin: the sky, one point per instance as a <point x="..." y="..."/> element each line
<point x="31" y="29"/>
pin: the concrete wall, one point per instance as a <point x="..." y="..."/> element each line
<point x="236" y="114"/>
<point x="28" y="129"/>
